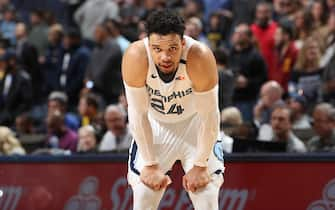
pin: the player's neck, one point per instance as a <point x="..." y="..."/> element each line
<point x="166" y="77"/>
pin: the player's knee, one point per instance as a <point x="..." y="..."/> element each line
<point x="205" y="200"/>
<point x="207" y="197"/>
<point x="145" y="197"/>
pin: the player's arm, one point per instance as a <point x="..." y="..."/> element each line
<point x="134" y="71"/>
<point x="204" y="76"/>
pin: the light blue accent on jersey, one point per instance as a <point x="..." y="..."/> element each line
<point x="218" y="150"/>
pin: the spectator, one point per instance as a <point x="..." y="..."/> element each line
<point x="330" y="4"/>
<point x="118" y="137"/>
<point x="87" y="140"/>
<point x="9" y="145"/>
<point x="284" y="55"/>
<point x="103" y="73"/>
<point x="50" y="18"/>
<point x="27" y="56"/>
<point x="306" y="78"/>
<point x="88" y="110"/>
<point x="59" y="135"/>
<point x="70" y="7"/>
<point x="15" y="89"/>
<point x="263" y="30"/>
<point x="114" y="27"/>
<point x="193" y="28"/>
<point x="53" y="58"/>
<point x="327" y="36"/>
<point x="93" y="12"/>
<point x="24" y="125"/>
<point x="270" y="96"/>
<point x="285" y="8"/>
<point x="226" y="78"/>
<point x="243" y="11"/>
<point x="249" y="69"/>
<point x="303" y="28"/>
<point x="8" y="24"/>
<point x="141" y="30"/>
<point x="74" y="64"/>
<point x="148" y="6"/>
<point x="218" y="29"/>
<point x="38" y="35"/>
<point x="298" y="105"/>
<point x="232" y="124"/>
<point x="58" y="101"/>
<point x="281" y="125"/>
<point x="324" y="126"/>
<point x="4" y="4"/>
<point x="214" y="31"/>
<point x="231" y="120"/>
<point x="218" y="7"/>
<point x="319" y="13"/>
<point x="193" y="8"/>
<point x="328" y="86"/>
<point x="130" y="17"/>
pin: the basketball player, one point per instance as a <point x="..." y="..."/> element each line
<point x="172" y="92"/>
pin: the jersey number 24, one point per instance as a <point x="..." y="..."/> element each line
<point x="158" y="105"/>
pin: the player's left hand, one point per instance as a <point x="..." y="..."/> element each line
<point x="197" y="178"/>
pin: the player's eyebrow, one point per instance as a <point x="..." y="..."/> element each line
<point x="173" y="45"/>
<point x="159" y="46"/>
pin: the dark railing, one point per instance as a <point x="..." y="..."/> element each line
<point x="234" y="157"/>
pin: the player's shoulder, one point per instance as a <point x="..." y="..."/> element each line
<point x="136" y="50"/>
<point x="198" y="50"/>
<point x="135" y="64"/>
<point x="200" y="62"/>
<point x="136" y="55"/>
<point x="199" y="53"/>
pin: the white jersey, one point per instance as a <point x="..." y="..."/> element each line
<point x="174" y="122"/>
<point x="170" y="102"/>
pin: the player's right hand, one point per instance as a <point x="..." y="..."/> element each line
<point x="154" y="178"/>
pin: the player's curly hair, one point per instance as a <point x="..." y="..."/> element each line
<point x="165" y="22"/>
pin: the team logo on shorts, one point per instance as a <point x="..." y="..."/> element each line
<point x="218" y="150"/>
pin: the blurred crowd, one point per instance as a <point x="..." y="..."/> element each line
<point x="61" y="90"/>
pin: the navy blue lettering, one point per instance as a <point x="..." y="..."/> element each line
<point x="157" y="105"/>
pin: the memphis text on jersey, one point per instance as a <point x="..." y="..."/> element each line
<point x="159" y="103"/>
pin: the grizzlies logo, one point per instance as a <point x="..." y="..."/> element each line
<point x="218" y="150"/>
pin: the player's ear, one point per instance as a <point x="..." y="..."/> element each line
<point x="183" y="42"/>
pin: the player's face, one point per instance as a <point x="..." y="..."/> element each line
<point x="166" y="51"/>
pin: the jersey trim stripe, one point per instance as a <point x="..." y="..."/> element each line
<point x="132" y="158"/>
